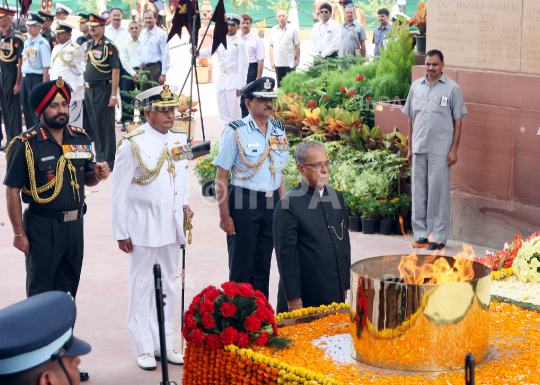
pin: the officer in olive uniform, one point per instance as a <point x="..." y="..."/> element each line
<point x="11" y="53"/>
<point x="255" y="150"/>
<point x="51" y="164"/>
<point x="83" y="42"/>
<point x="46" y="31"/>
<point x="101" y="68"/>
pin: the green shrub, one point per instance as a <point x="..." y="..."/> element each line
<point x="398" y="58"/>
<point x="387" y="87"/>
<point x="291" y="82"/>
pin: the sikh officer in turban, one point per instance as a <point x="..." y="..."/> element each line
<point x="50" y="164"/>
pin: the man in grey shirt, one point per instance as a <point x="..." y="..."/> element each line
<point x="353" y="35"/>
<point x="435" y="108"/>
<point x="379" y="35"/>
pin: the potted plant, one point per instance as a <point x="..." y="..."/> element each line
<point x="419" y="20"/>
<point x="369" y="207"/>
<point x="261" y="25"/>
<point x="206" y="174"/>
<point x="387" y="211"/>
<point x="403" y="205"/>
<point x="181" y="116"/>
<point x="203" y="70"/>
<point x="353" y="211"/>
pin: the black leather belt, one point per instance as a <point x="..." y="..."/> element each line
<point x="31" y="75"/>
<point x="152" y="64"/>
<point x="257" y="193"/>
<point x="8" y="67"/>
<point x="99" y="83"/>
<point x="62" y="216"/>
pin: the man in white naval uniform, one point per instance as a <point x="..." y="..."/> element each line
<point x="233" y="68"/>
<point x="149" y="198"/>
<point x="66" y="59"/>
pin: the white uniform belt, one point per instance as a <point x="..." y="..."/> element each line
<point x="230" y="71"/>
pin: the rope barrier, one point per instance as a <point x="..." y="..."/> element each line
<point x="179" y="45"/>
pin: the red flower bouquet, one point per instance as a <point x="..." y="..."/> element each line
<point x="237" y="314"/>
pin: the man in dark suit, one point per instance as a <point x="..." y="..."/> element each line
<point x="311" y="237"/>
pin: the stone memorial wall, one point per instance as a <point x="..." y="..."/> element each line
<point x="497" y="35"/>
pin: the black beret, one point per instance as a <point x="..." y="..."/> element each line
<point x="44" y="93"/>
<point x="36" y="330"/>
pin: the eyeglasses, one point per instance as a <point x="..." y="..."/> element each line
<point x="324" y="11"/>
<point x="133" y="27"/>
<point x="319" y="165"/>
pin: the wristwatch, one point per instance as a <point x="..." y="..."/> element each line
<point x="113" y="97"/>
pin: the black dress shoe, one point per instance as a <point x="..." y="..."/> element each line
<point x="123" y="127"/>
<point x="84" y="375"/>
<point x="435" y="246"/>
<point x="420" y="243"/>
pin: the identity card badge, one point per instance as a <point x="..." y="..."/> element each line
<point x="444" y="101"/>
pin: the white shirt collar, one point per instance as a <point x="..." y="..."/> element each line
<point x="130" y="39"/>
<point x="322" y="191"/>
<point x="151" y="31"/>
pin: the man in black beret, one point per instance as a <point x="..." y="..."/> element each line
<point x="37" y="345"/>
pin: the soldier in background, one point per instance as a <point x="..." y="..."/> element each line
<point x="83" y="42"/>
<point x="101" y="76"/>
<point x="46" y="31"/>
<point x="11" y="53"/>
<point x="66" y="62"/>
<point x="35" y="68"/>
<point x="233" y="67"/>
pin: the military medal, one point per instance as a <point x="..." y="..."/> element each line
<point x="182" y="152"/>
<point x="279" y="144"/>
<point x="77" y="151"/>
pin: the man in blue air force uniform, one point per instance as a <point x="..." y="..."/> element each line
<point x="255" y="150"/>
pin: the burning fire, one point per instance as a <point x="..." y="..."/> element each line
<point x="436" y="270"/>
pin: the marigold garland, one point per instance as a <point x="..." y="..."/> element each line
<point x="514" y="339"/>
<point x="311" y="310"/>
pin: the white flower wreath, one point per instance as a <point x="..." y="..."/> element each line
<point x="526" y="266"/>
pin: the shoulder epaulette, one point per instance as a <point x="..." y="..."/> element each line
<point x="78" y="129"/>
<point x="23" y="138"/>
<point x="178" y="130"/>
<point x="237" y="123"/>
<point x="127" y="136"/>
<point x="134" y="132"/>
<point x="277" y="123"/>
<point x="18" y="35"/>
<point x="75" y="45"/>
<point x="112" y="43"/>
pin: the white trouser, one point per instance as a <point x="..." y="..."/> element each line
<point x="228" y="106"/>
<point x="76" y="113"/>
<point x="431" y="197"/>
<point x="142" y="317"/>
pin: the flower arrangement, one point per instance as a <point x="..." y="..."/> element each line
<point x="234" y="315"/>
<point x="311" y="310"/>
<point x="526" y="266"/>
<point x="204" y="62"/>
<point x="183" y="108"/>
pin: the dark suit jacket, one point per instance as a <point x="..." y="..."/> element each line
<point x="313" y="262"/>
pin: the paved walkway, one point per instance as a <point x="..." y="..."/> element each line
<point x="103" y="294"/>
